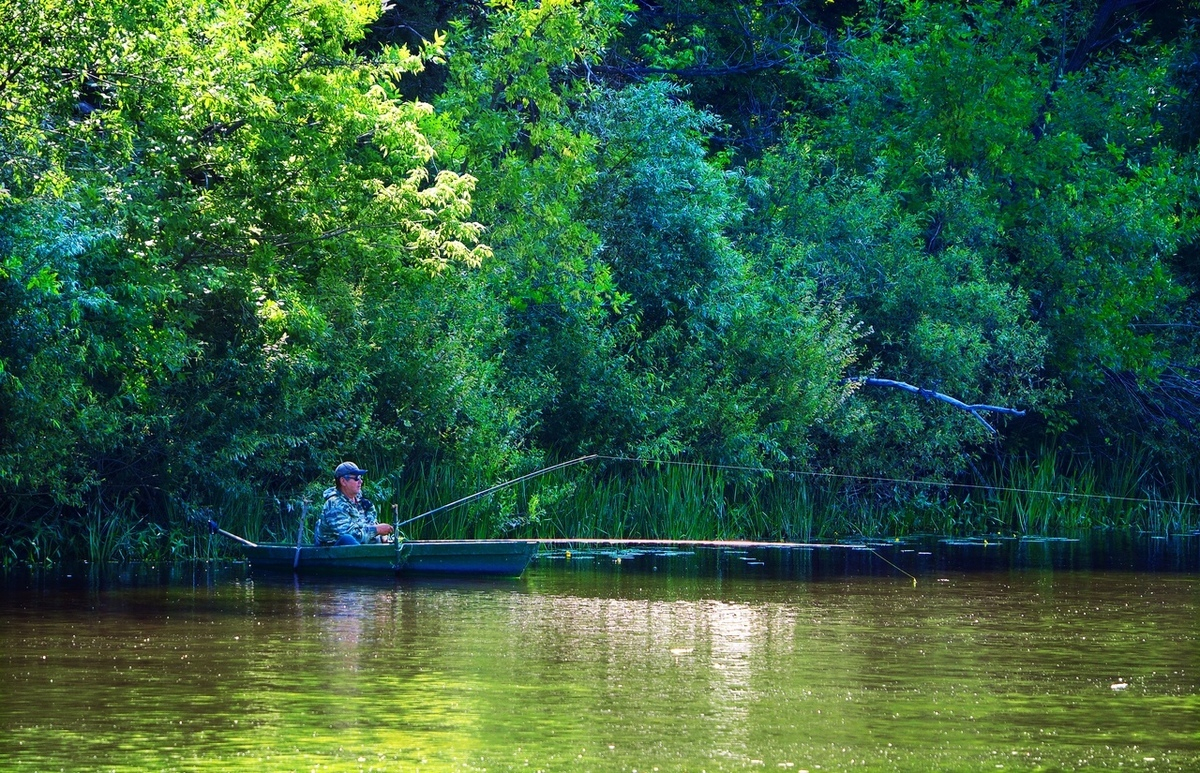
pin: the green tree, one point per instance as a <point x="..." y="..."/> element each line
<point x="211" y="212"/>
<point x="998" y="251"/>
<point x="635" y="324"/>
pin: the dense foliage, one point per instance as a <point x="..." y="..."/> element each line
<point x="241" y="240"/>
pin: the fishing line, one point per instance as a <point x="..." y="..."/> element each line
<point x="876" y="479"/>
<point x="875" y="553"/>
<point x="909" y="481"/>
<point x="889" y="563"/>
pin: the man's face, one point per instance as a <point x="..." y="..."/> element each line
<point x="351" y="485"/>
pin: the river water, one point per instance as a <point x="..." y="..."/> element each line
<point x="618" y="660"/>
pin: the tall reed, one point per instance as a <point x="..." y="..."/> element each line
<point x="1048" y="493"/>
<point x="1044" y="494"/>
<point x="1056" y="493"/>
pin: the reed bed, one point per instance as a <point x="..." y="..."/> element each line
<point x="648" y="500"/>
<point x="1048" y="494"/>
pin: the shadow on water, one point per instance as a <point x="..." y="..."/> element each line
<point x="910" y="557"/>
<point x="914" y="556"/>
<point x="98" y="577"/>
<point x="84" y="580"/>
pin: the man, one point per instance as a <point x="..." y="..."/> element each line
<point x="347" y="517"/>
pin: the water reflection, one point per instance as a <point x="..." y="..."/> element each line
<point x="599" y="665"/>
<point x="1100" y="550"/>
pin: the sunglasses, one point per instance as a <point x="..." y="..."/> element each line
<point x="352" y="477"/>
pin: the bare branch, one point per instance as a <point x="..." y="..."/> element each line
<point x="973" y="409"/>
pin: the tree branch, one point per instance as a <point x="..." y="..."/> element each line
<point x="973" y="409"/>
<point x="13" y="73"/>
<point x="717" y="71"/>
<point x="1091" y="42"/>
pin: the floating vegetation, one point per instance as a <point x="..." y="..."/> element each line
<point x="911" y="558"/>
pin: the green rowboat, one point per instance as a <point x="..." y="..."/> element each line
<point x="497" y="558"/>
<point x="494" y="557"/>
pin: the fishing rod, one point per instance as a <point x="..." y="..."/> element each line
<point x="215" y="529"/>
<point x="498" y="486"/>
<point x="300" y="533"/>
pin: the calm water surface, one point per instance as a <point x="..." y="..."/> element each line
<point x="590" y="664"/>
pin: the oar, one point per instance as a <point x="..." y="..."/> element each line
<point x="300" y="534"/>
<point x="497" y="487"/>
<point x="212" y="527"/>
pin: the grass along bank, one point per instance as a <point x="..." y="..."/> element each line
<point x="1050" y="495"/>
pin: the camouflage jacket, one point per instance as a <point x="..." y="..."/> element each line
<point x="341" y="516"/>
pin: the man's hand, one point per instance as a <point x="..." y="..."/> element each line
<point x="383" y="529"/>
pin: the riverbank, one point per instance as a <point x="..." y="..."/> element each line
<point x="617" y="498"/>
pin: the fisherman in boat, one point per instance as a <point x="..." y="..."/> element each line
<point x="348" y="518"/>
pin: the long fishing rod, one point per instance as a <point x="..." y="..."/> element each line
<point x="498" y="486"/>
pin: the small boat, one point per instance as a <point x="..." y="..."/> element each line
<point x="496" y="558"/>
<point x="484" y="557"/>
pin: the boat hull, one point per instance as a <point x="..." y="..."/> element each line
<point x="498" y="558"/>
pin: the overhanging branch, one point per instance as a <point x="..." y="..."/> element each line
<point x="973" y="409"/>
